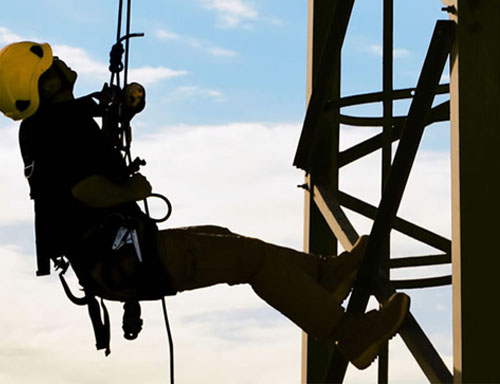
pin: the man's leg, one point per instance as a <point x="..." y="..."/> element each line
<point x="325" y="270"/>
<point x="286" y="279"/>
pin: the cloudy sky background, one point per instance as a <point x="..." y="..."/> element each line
<point x="226" y="98"/>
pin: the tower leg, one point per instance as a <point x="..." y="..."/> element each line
<point x="475" y="122"/>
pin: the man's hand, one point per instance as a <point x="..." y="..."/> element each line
<point x="99" y="192"/>
<point x="140" y="185"/>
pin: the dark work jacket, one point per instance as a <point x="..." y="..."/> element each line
<point x="61" y="145"/>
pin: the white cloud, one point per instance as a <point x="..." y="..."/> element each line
<point x="401" y="53"/>
<point x="7" y="37"/>
<point x="248" y="187"/>
<point x="82" y="61"/>
<point x="237" y="175"/>
<point x="240" y="170"/>
<point x="232" y="13"/>
<point x="195" y="92"/>
<point x="39" y="336"/>
<point x="84" y="64"/>
<point x="248" y="162"/>
<point x="14" y="191"/>
<point x="167" y="35"/>
<point x="149" y="75"/>
<point x="221" y="52"/>
<point x="205" y="46"/>
<point x="398" y="53"/>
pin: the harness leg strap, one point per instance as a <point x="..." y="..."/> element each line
<point x="101" y="328"/>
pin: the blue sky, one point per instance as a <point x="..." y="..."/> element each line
<point x="225" y="84"/>
<point x="235" y="55"/>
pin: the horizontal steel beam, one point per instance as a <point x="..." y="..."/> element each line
<point x="419" y="261"/>
<point x="428" y="282"/>
<point x="376" y="97"/>
<point x="439" y="113"/>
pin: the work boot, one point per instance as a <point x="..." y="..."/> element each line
<point x="337" y="274"/>
<point x="359" y="337"/>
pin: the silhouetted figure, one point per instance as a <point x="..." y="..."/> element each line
<point x="85" y="209"/>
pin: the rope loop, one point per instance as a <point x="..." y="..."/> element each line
<point x="115" y="58"/>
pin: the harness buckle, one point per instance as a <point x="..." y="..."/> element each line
<point x="119" y="238"/>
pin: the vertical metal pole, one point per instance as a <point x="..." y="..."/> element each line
<point x="320" y="147"/>
<point x="307" y="196"/>
<point x="317" y="237"/>
<point x="388" y="48"/>
<point x="387" y="80"/>
<point x="475" y="127"/>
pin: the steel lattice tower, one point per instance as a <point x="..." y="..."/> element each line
<point x="470" y="36"/>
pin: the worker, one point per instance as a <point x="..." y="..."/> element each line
<point x="84" y="196"/>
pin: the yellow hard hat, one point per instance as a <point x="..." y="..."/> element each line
<point x="21" y="65"/>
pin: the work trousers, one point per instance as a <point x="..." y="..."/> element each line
<point x="288" y="280"/>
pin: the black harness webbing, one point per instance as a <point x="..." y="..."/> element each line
<point x="101" y="325"/>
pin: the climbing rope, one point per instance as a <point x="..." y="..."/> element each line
<point x="170" y="341"/>
<point x="122" y="102"/>
<point x="118" y="105"/>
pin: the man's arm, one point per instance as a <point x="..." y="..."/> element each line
<point x="99" y="192"/>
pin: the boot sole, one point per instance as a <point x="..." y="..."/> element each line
<point x="366" y="358"/>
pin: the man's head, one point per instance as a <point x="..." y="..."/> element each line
<point x="28" y="74"/>
<point x="56" y="84"/>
